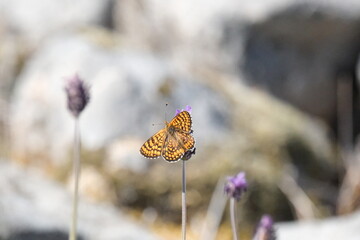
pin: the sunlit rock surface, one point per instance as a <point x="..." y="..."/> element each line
<point x="343" y="227"/>
<point x="32" y="205"/>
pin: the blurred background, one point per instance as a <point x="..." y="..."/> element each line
<point x="274" y="88"/>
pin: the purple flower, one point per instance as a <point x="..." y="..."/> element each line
<point x="235" y="186"/>
<point x="187" y="108"/>
<point x="265" y="229"/>
<point x="77" y="95"/>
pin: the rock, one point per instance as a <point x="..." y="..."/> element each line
<point x="44" y="235"/>
<point x="191" y="31"/>
<point x="34" y="206"/>
<point x="35" y="19"/>
<point x="26" y="24"/>
<point x="343" y="227"/>
<point x="296" y="50"/>
<point x="303" y="67"/>
<point x="124" y="154"/>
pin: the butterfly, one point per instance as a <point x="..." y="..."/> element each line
<point x="171" y="142"/>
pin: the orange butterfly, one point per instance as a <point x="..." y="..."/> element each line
<point x="172" y="141"/>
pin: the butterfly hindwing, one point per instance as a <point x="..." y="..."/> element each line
<point x="173" y="150"/>
<point x="186" y="140"/>
<point x="175" y="146"/>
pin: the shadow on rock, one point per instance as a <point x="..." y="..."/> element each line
<point x="37" y="235"/>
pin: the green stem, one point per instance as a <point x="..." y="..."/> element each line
<point x="183" y="201"/>
<point x="233" y="218"/>
<point x="76" y="169"/>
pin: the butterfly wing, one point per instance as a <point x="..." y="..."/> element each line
<point x="153" y="147"/>
<point x="171" y="145"/>
<point x="172" y="150"/>
<point x="182" y="121"/>
<point x="176" y="145"/>
<point x="186" y="140"/>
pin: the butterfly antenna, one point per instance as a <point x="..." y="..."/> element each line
<point x="166" y="104"/>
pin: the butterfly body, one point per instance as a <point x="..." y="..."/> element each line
<point x="170" y="129"/>
<point x="172" y="141"/>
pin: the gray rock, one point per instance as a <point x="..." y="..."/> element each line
<point x="32" y="205"/>
<point x="344" y="228"/>
<point x="194" y="27"/>
<point x="296" y="50"/>
<point x="301" y="53"/>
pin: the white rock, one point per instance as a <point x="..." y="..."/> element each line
<point x="36" y="19"/>
<point x="344" y="228"/>
<point x="30" y="202"/>
<point x="124" y="154"/>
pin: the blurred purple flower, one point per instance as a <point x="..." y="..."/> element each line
<point x="235" y="186"/>
<point x="77" y="95"/>
<point x="187" y="108"/>
<point x="265" y="229"/>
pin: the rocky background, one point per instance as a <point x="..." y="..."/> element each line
<point x="274" y="89"/>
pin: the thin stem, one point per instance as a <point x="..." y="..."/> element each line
<point x="183" y="201"/>
<point x="215" y="212"/>
<point x="76" y="170"/>
<point x="233" y="218"/>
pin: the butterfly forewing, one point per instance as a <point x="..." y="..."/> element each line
<point x="182" y="121"/>
<point x="152" y="148"/>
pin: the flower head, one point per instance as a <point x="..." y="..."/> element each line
<point x="188" y="154"/>
<point x="265" y="229"/>
<point x="77" y="95"/>
<point x="235" y="186"/>
<point x="187" y="108"/>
